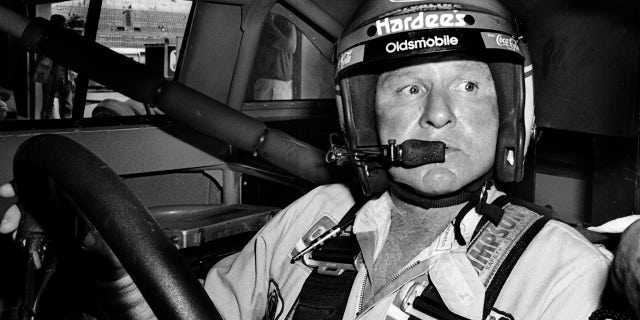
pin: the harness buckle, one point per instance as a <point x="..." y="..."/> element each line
<point x="337" y="255"/>
<point x="327" y="267"/>
<point x="407" y="306"/>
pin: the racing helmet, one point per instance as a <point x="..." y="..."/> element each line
<point x="388" y="33"/>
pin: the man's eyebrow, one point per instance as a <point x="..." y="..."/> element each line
<point x="393" y="75"/>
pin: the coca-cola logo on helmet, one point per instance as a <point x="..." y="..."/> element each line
<point x="506" y="41"/>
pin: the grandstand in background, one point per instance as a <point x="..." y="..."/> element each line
<point x="134" y="23"/>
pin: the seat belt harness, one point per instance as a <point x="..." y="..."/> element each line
<point x="493" y="251"/>
<point x="325" y="293"/>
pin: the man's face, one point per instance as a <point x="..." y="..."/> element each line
<point x="451" y="101"/>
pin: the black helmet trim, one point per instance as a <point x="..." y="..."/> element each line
<point x="429" y="41"/>
<point x="510" y="148"/>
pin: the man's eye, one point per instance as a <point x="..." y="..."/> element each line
<point x="410" y="90"/>
<point x="467" y="86"/>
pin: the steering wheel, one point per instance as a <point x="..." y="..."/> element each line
<point x="47" y="164"/>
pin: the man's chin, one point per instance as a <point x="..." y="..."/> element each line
<point x="431" y="183"/>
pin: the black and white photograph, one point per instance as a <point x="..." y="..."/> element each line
<point x="319" y="159"/>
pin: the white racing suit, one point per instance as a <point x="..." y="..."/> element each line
<point x="559" y="276"/>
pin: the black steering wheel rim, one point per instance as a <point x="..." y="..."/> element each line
<point x="126" y="225"/>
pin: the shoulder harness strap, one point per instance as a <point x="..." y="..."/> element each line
<point x="325" y="293"/>
<point x="493" y="252"/>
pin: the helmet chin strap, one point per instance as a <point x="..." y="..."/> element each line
<point x="409" y="195"/>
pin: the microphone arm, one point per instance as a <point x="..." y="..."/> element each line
<point x="410" y="153"/>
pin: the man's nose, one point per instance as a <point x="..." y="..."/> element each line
<point x="437" y="112"/>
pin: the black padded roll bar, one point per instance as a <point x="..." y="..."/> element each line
<point x="178" y="101"/>
<point x="124" y="222"/>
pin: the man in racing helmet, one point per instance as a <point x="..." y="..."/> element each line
<point x="448" y="78"/>
<point x="432" y="104"/>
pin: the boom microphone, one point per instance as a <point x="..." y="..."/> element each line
<point x="415" y="153"/>
<point x="411" y="153"/>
